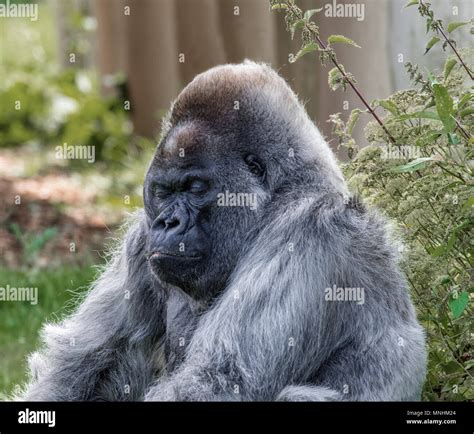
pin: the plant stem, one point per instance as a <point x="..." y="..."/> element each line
<point x="439" y="28"/>
<point x="455" y="52"/>
<point x="297" y="11"/>
<point x="356" y="90"/>
<point x="451" y="173"/>
<point x="465" y="133"/>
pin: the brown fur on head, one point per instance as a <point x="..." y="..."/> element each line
<point x="214" y="93"/>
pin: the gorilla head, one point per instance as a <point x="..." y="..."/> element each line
<point x="236" y="132"/>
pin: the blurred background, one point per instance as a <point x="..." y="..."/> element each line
<point x="102" y="73"/>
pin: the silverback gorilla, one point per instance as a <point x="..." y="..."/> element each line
<point x="214" y="300"/>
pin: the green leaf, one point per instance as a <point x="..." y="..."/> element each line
<point x="429" y="138"/>
<point x="341" y="40"/>
<point x="411" y="3"/>
<point x="455" y="25"/>
<point x="452" y="367"/>
<point x="431" y="43"/>
<point x="458" y="304"/>
<point x="468" y="204"/>
<point x="420" y="115"/>
<point x="335" y="78"/>
<point x="353" y="118"/>
<point x="308" y="48"/>
<point x="297" y="25"/>
<point x="279" y="6"/>
<point x="433" y="80"/>
<point x="412" y="166"/>
<point x="429" y="104"/>
<point x="453" y="139"/>
<point x="464" y="100"/>
<point x="389" y="106"/>
<point x="309" y="13"/>
<point x="448" y="67"/>
<point x="438" y="251"/>
<point x="444" y="107"/>
<point x="466" y="112"/>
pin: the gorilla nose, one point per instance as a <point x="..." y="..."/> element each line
<point x="172" y="223"/>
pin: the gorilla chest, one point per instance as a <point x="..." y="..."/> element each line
<point x="181" y="318"/>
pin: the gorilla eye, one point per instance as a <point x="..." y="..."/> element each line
<point x="160" y="191"/>
<point x="197" y="187"/>
<point x="254" y="165"/>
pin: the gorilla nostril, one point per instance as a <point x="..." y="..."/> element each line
<point x="171" y="223"/>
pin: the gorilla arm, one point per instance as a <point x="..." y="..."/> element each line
<point x="273" y="332"/>
<point x="105" y="350"/>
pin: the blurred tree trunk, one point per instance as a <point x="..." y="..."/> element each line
<point x="248" y="30"/>
<point x="70" y="31"/>
<point x="303" y="75"/>
<point x="163" y="44"/>
<point x="111" y="37"/>
<point x="152" y="65"/>
<point x="63" y="31"/>
<point x="199" y="37"/>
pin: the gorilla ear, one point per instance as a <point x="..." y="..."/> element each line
<point x="255" y="166"/>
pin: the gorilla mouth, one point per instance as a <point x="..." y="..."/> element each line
<point x="162" y="255"/>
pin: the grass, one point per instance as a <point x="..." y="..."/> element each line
<point x="20" y="322"/>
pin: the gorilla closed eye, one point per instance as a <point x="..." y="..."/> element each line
<point x="197" y="186"/>
<point x="194" y="186"/>
<point x="160" y="191"/>
<point x="254" y="165"/>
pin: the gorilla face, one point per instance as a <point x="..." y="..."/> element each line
<point x="228" y="132"/>
<point x="195" y="239"/>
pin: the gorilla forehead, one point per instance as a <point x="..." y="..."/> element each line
<point x="194" y="142"/>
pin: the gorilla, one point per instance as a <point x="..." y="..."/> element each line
<point x="241" y="278"/>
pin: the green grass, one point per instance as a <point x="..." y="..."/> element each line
<point x="20" y="322"/>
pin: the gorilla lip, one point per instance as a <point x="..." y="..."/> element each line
<point x="157" y="255"/>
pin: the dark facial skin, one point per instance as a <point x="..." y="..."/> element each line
<point x="179" y="234"/>
<point x="193" y="243"/>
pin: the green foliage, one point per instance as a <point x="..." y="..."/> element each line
<point x="425" y="184"/>
<point x="58" y="291"/>
<point x="455" y="25"/>
<point x="44" y="104"/>
<point x="32" y="243"/>
<point x="308" y="48"/>
<point x="341" y="40"/>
